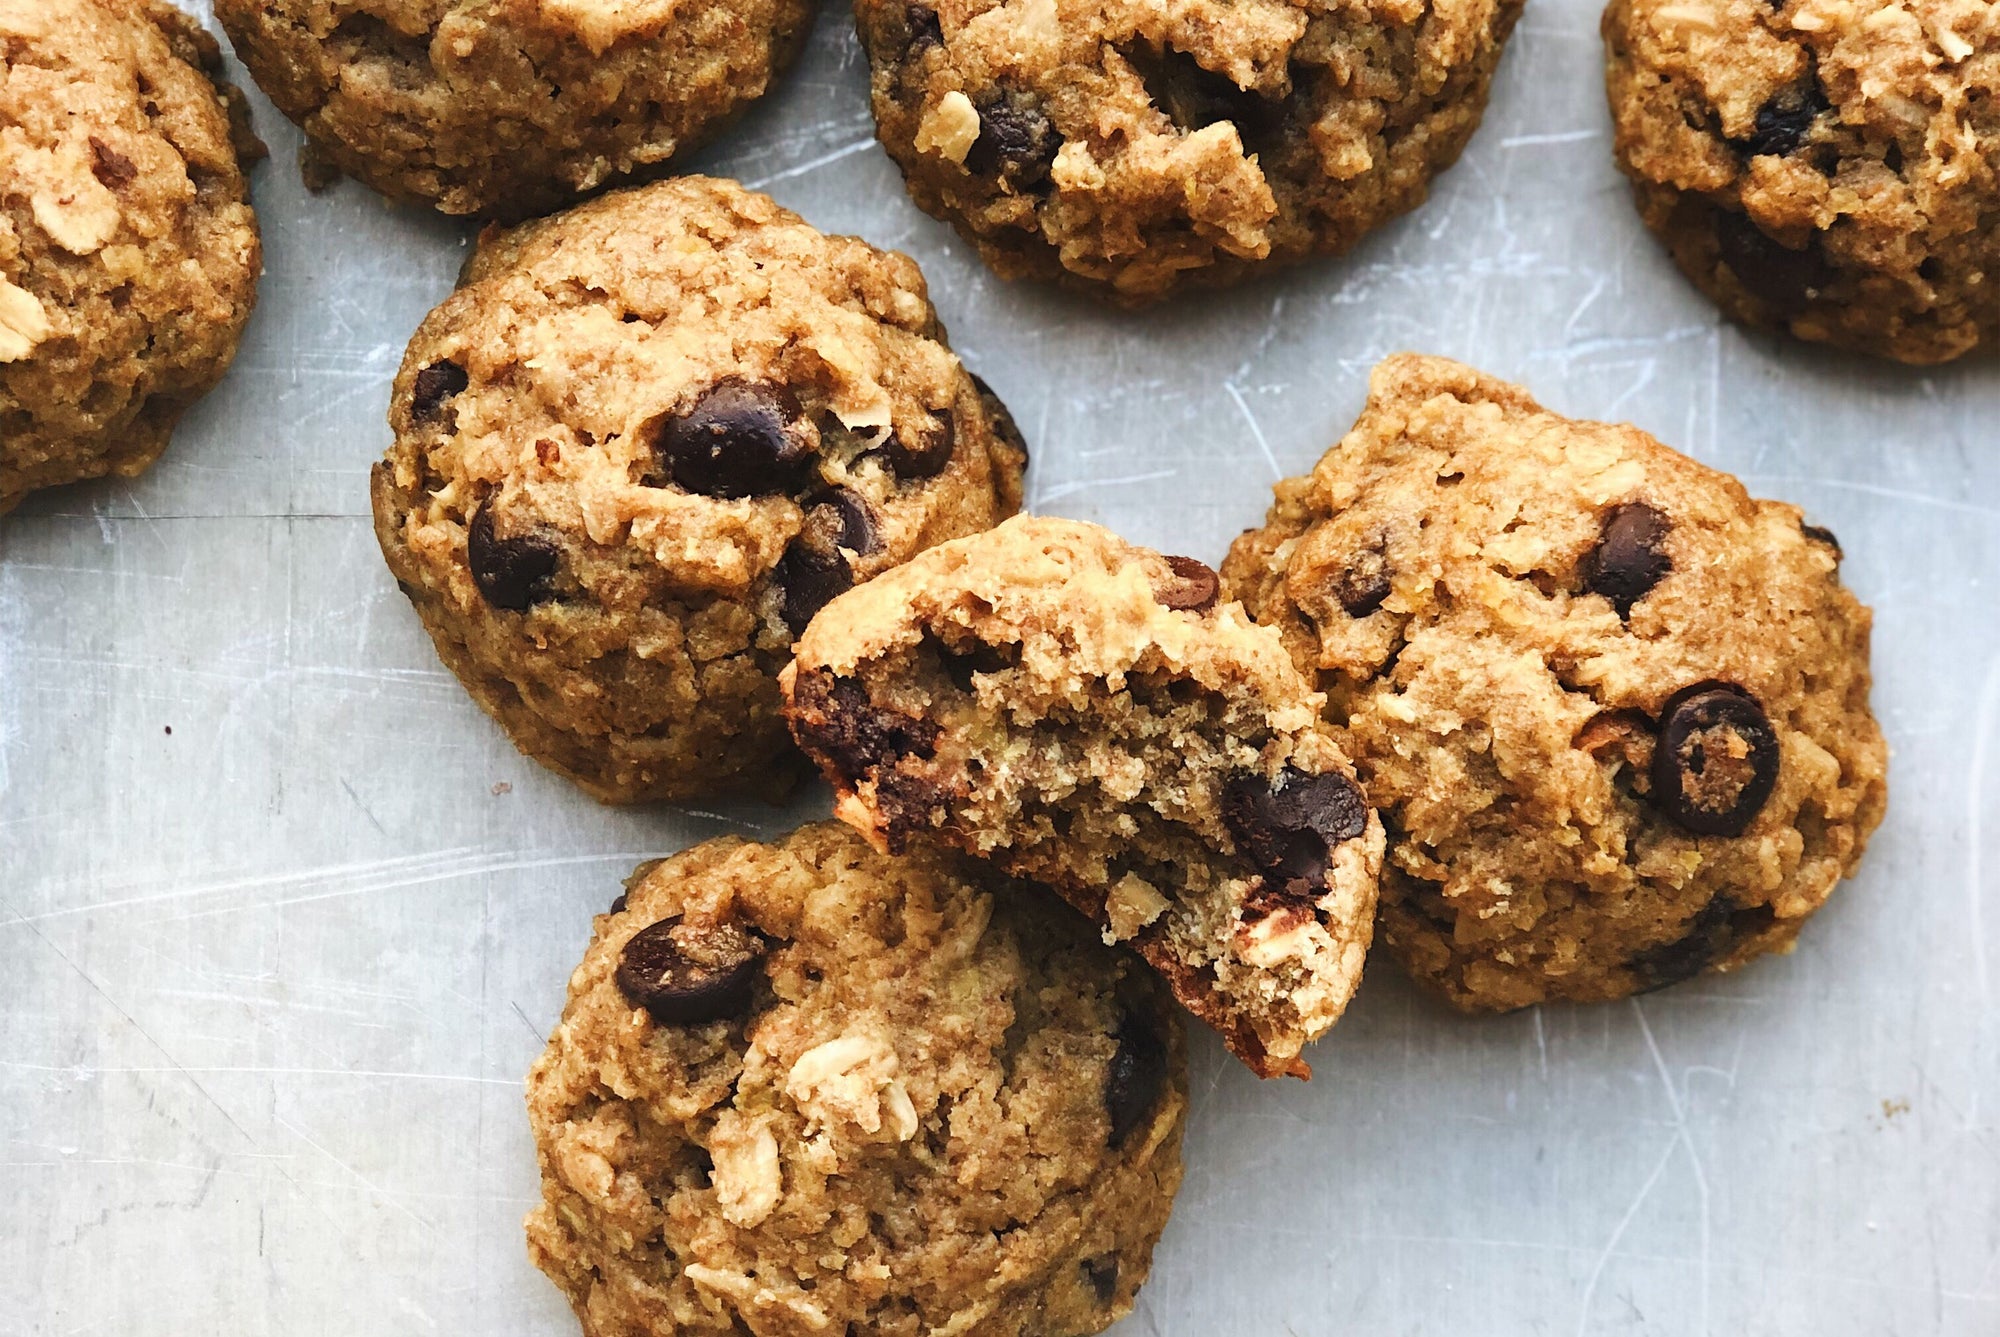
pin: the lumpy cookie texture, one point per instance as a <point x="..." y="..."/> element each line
<point x="1826" y="167"/>
<point x="510" y="108"/>
<point x="1132" y="146"/>
<point x="1087" y="714"/>
<point x="1613" y="711"/>
<point x="804" y="1088"/>
<point x="129" y="254"/>
<point x="640" y="447"/>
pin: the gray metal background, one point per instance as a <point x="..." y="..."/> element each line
<point x="269" y="982"/>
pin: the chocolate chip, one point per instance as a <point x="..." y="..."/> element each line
<point x="1136" y="1079"/>
<point x="1716" y="761"/>
<point x="682" y="974"/>
<point x="1289" y="830"/>
<point x="1785" y="280"/>
<point x="1784" y="122"/>
<point x="925" y="32"/>
<point x="1821" y="534"/>
<point x="1364" y="583"/>
<point x="617" y="904"/>
<point x="1194" y="97"/>
<point x="113" y="170"/>
<point x="1101" y="1275"/>
<point x="1001" y="419"/>
<point x="512" y="573"/>
<point x="814" y="570"/>
<point x="1193" y="588"/>
<point x="1016" y="140"/>
<point x="1628" y="561"/>
<point x="1714" y="932"/>
<point x="834" y="720"/>
<point x="736" y="440"/>
<point x="932" y="451"/>
<point x="435" y="384"/>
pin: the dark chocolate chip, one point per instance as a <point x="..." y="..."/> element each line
<point x="1193" y="588"/>
<point x="113" y="170"/>
<point x="1001" y="419"/>
<point x="1628" y="559"/>
<point x="925" y="31"/>
<point x="814" y="569"/>
<point x="1716" y="761"/>
<point x="736" y="440"/>
<point x="834" y="720"/>
<point x="1136" y="1079"/>
<point x="1101" y="1275"/>
<point x="682" y="974"/>
<point x="1785" y="280"/>
<point x="512" y="573"/>
<point x="1016" y="141"/>
<point x="1289" y="830"/>
<point x="932" y="451"/>
<point x="435" y="384"/>
<point x="1194" y="97"/>
<point x="618" y="904"/>
<point x="1364" y="583"/>
<point x="1786" y="120"/>
<point x="1821" y="534"/>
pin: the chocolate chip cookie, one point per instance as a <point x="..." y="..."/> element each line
<point x="1132" y="146"/>
<point x="129" y="254"/>
<point x="639" y="448"/>
<point x="1827" y="167"/>
<point x="1089" y="715"/>
<point x="1613" y="710"/>
<point x="510" y="108"/>
<point x="803" y="1087"/>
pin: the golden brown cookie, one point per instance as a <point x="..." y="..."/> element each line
<point x="805" y="1088"/>
<point x="128" y="251"/>
<point x="1085" y="713"/>
<point x="1827" y="167"/>
<point x="1131" y="146"/>
<point x="639" y="448"/>
<point x="510" y="108"/>
<point x="1613" y="710"/>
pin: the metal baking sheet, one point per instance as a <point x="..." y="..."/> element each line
<point x="284" y="919"/>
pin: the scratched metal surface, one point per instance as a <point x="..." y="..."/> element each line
<point x="269" y="981"/>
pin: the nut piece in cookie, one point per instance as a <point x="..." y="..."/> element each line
<point x="1087" y="715"/>
<point x="642" y="445"/>
<point x="803" y="1087"/>
<point x="1613" y="710"/>
<point x="129" y="254"/>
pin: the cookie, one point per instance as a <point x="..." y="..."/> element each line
<point x="1131" y="146"/>
<point x="1613" y="710"/>
<point x="129" y="253"/>
<point x="1088" y="715"/>
<point x="1826" y="167"/>
<point x="642" y="444"/>
<point x="803" y="1087"/>
<point x="510" y="108"/>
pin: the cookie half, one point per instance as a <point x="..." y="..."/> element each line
<point x="1826" y="169"/>
<point x="1613" y="710"/>
<point x="129" y="254"/>
<point x="642" y="444"/>
<point x="804" y="1087"/>
<point x="1086" y="714"/>
<point x="1130" y="147"/>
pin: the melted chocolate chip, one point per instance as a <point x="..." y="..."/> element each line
<point x="1002" y="421"/>
<point x="1785" y="280"/>
<point x="1289" y="830"/>
<point x="1821" y="534"/>
<point x="737" y="440"/>
<point x="834" y="720"/>
<point x="1016" y="141"/>
<point x="1193" y="589"/>
<point x="925" y="31"/>
<point x="113" y="170"/>
<point x="1101" y="1275"/>
<point x="1136" y="1078"/>
<point x="1194" y="97"/>
<point x="1786" y="120"/>
<point x="434" y="386"/>
<point x="1717" y="929"/>
<point x="1364" y="584"/>
<point x="815" y="570"/>
<point x="1628" y="559"/>
<point x="683" y="975"/>
<point x="1716" y="761"/>
<point x="932" y="451"/>
<point x="512" y="573"/>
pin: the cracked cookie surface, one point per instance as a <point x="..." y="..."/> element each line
<point x="1086" y="714"/>
<point x="1827" y="167"/>
<point x="1613" y="711"/>
<point x="639" y="448"/>
<point x="803" y="1088"/>
<point x="1134" y="146"/>
<point x="129" y="254"/>
<point x="510" y="108"/>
